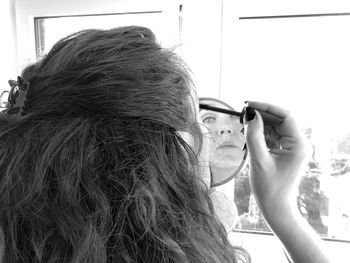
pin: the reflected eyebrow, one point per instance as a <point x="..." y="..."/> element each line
<point x="217" y="109"/>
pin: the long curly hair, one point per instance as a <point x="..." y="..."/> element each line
<point x="95" y="170"/>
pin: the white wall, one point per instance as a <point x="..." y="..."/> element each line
<point x="202" y="43"/>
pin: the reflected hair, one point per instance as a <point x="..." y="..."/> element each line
<point x="95" y="170"/>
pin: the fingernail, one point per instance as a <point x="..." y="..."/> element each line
<point x="244" y="147"/>
<point x="249" y="114"/>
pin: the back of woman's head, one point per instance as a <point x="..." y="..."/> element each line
<point x="94" y="170"/>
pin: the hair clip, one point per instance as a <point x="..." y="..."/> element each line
<point x="17" y="97"/>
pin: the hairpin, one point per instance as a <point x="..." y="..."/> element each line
<point x="17" y="97"/>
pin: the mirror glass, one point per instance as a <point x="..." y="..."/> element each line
<point x="227" y="156"/>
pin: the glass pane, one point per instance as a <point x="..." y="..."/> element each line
<point x="302" y="65"/>
<point x="49" y="30"/>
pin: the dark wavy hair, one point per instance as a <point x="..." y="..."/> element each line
<point x="95" y="170"/>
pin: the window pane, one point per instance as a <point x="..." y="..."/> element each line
<point x="301" y="64"/>
<point x="49" y="30"/>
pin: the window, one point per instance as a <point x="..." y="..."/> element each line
<point x="300" y="63"/>
<point x="48" y="30"/>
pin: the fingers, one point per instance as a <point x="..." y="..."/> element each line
<point x="287" y="127"/>
<point x="255" y="138"/>
<point x="266" y="107"/>
<point x="284" y="137"/>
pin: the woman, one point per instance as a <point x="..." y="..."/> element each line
<point x="94" y="169"/>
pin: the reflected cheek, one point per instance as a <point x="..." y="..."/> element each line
<point x="241" y="138"/>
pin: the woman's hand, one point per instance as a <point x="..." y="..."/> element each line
<point x="275" y="159"/>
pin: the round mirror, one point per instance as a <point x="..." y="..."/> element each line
<point x="227" y="152"/>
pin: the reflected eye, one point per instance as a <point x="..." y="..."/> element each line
<point x="208" y="120"/>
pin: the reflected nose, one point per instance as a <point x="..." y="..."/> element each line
<point x="229" y="129"/>
<point x="225" y="131"/>
<point x="226" y="127"/>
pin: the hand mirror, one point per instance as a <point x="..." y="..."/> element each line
<point x="227" y="156"/>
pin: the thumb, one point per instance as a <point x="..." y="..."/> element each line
<point x="255" y="138"/>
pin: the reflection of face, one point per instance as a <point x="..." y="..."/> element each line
<point x="227" y="140"/>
